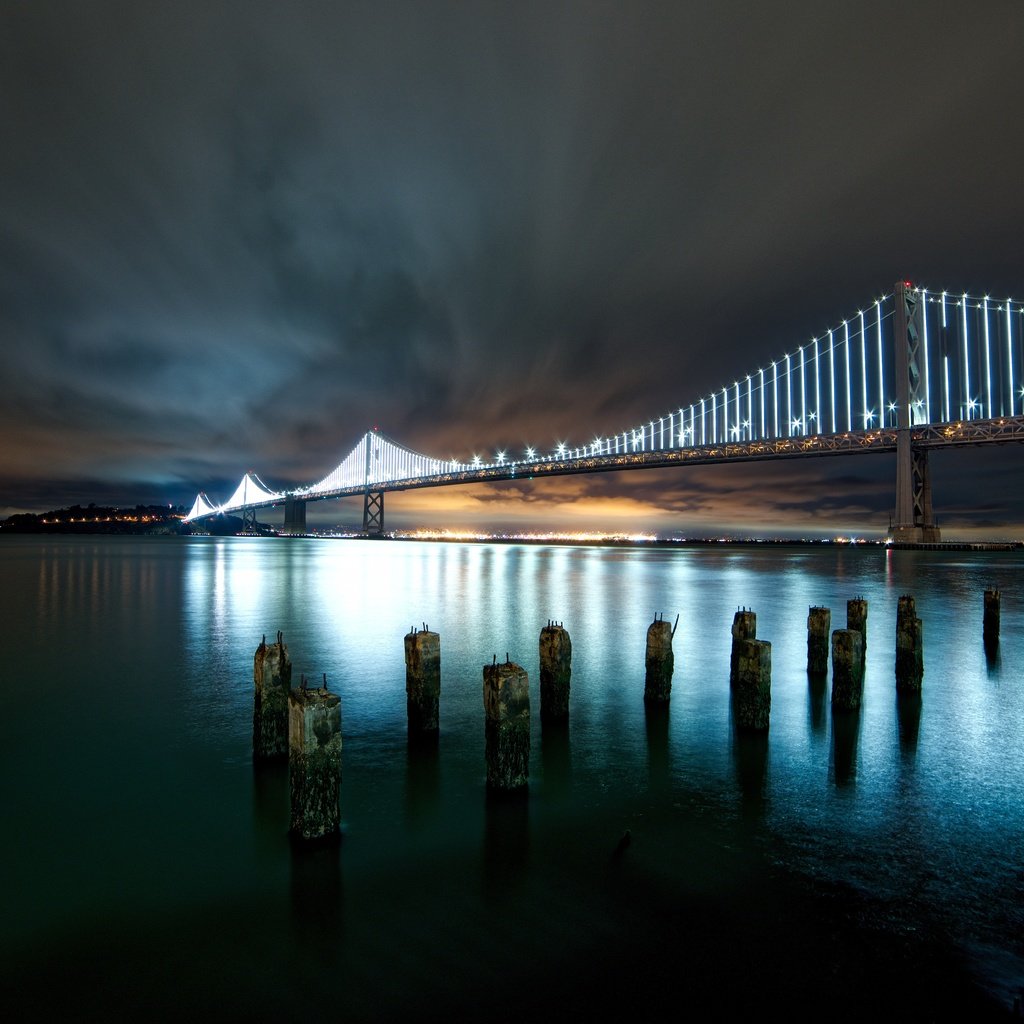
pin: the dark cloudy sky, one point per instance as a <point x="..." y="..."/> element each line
<point x="235" y="235"/>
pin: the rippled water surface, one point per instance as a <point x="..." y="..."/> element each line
<point x="135" y="821"/>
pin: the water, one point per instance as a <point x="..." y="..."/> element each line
<point x="146" y="864"/>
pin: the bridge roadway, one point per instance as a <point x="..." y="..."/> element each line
<point x="1002" y="430"/>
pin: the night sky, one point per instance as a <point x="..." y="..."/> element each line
<point x="236" y="235"/>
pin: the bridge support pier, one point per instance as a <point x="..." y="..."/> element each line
<point x="914" y="522"/>
<point x="248" y="520"/>
<point x="373" y="513"/>
<point x="294" y="517"/>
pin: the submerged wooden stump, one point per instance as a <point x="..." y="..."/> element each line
<point x="422" y="679"/>
<point x="314" y="762"/>
<point x="847" y="669"/>
<point x="819" y="625"/>
<point x="507" y="725"/>
<point x="990" y="626"/>
<point x="857" y="618"/>
<point x="753" y="691"/>
<point x="272" y="677"/>
<point x="659" y="661"/>
<point x="555" y="672"/>
<point x="909" y="647"/>
<point x="744" y="627"/>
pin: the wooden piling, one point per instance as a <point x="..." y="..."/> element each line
<point x="909" y="647"/>
<point x="314" y="762"/>
<point x="272" y="677"/>
<point x="753" y="691"/>
<point x="744" y="627"/>
<point x="422" y="679"/>
<point x="990" y="627"/>
<point x="507" y="725"/>
<point x="847" y="669"/>
<point x="555" y="672"/>
<point x="659" y="661"/>
<point x="857" y="618"/>
<point x="819" y="623"/>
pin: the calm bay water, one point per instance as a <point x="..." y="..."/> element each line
<point x="147" y="868"/>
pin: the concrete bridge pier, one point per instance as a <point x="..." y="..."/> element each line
<point x="314" y="761"/>
<point x="294" y="517"/>
<point x="271" y="676"/>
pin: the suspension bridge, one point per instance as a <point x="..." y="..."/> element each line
<point x="912" y="371"/>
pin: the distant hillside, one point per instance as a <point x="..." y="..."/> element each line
<point x="143" y="519"/>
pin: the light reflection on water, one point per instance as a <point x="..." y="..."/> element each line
<point x="920" y="803"/>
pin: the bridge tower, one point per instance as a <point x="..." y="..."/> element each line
<point x="373" y="500"/>
<point x="914" y="521"/>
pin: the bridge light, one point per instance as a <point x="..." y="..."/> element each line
<point x="476" y="460"/>
<point x="501" y="458"/>
<point x="530" y="453"/>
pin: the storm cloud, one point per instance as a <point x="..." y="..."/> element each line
<point x="236" y="235"/>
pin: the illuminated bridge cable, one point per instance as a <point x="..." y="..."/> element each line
<point x="774" y="405"/>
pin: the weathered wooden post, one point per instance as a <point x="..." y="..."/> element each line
<point x="507" y="725"/>
<point x="659" y="660"/>
<point x="847" y="669"/>
<point x="753" y="693"/>
<point x="555" y="672"/>
<point x="744" y="627"/>
<point x="990" y="628"/>
<point x="271" y="676"/>
<point x="422" y="679"/>
<point x="819" y="623"/>
<point x="857" y="618"/>
<point x="909" y="647"/>
<point x="314" y="761"/>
